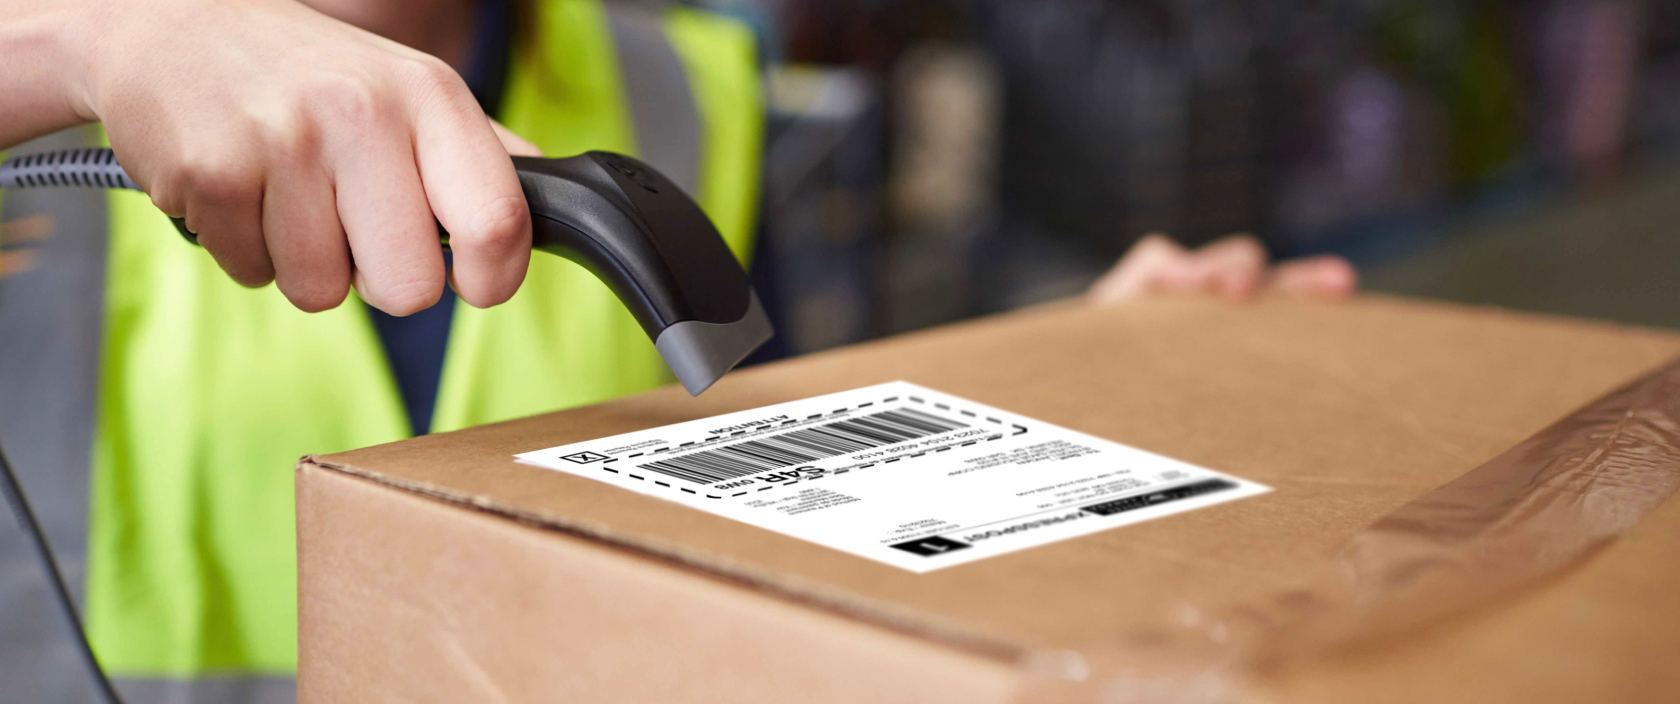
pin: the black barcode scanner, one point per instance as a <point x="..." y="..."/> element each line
<point x="619" y="218"/>
<point x="638" y="232"/>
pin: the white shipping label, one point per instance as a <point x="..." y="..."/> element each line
<point x="899" y="474"/>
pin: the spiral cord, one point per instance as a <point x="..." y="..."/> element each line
<point x="88" y="167"/>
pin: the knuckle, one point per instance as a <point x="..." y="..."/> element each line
<point x="297" y="140"/>
<point x="216" y="179"/>
<point x="168" y="201"/>
<point x="316" y="294"/>
<point x="407" y="296"/>
<point x="1248" y="245"/>
<point x="249" y="274"/>
<point x="348" y="99"/>
<point x="1155" y="244"/>
<point x="484" y="296"/>
<point x="498" y="226"/>
<point x="253" y="279"/>
<point x="436" y="86"/>
<point x="1244" y="238"/>
<point x="433" y="72"/>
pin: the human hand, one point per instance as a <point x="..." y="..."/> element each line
<point x="308" y="152"/>
<point x="1235" y="268"/>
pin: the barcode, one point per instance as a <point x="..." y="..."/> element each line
<point x="803" y="445"/>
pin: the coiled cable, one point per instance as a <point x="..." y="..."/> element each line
<point x="89" y="167"/>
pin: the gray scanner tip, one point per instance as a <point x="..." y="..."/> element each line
<point x="700" y="353"/>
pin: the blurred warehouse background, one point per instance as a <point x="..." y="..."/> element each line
<point x="933" y="160"/>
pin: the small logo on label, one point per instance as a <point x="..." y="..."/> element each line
<point x="929" y="547"/>
<point x="583" y="457"/>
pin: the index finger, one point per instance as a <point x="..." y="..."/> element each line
<point x="470" y="182"/>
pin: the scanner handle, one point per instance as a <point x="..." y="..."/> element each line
<point x="637" y="231"/>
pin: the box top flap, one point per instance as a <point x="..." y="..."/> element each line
<point x="1346" y="410"/>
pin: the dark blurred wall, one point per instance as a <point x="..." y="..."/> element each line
<point x="999" y="152"/>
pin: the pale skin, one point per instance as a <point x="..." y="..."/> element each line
<point x="315" y="144"/>
<point x="1234" y="268"/>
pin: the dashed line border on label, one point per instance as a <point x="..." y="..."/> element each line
<point x="1018" y="430"/>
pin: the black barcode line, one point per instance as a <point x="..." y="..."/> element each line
<point x="803" y="445"/>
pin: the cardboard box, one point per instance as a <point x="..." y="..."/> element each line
<point x="437" y="569"/>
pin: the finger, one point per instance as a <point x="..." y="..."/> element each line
<point x="513" y="143"/>
<point x="1326" y="276"/>
<point x="164" y="192"/>
<point x="305" y="238"/>
<point x="1235" y="266"/>
<point x="475" y="194"/>
<point x="224" y="209"/>
<point x="1153" y="263"/>
<point x="388" y="224"/>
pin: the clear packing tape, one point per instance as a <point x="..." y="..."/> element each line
<point x="1539" y="508"/>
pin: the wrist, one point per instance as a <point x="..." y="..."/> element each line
<point x="79" y="30"/>
<point x="42" y="76"/>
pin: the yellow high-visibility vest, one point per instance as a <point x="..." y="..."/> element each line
<point x="210" y="392"/>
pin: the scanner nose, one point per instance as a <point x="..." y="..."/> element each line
<point x="700" y="353"/>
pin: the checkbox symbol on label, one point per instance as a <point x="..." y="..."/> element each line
<point x="583" y="457"/>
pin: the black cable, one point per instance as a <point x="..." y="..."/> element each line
<point x="38" y="538"/>
<point x="89" y="167"/>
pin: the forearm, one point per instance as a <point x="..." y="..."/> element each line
<point x="40" y="89"/>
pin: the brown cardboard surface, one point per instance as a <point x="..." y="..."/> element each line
<point x="1348" y="411"/>
<point x="412" y="600"/>
<point x="1606" y="632"/>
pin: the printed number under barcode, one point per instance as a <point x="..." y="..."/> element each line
<point x="804" y="445"/>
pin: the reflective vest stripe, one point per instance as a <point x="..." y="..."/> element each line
<point x="721" y="58"/>
<point x="663" y="111"/>
<point x="222" y="688"/>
